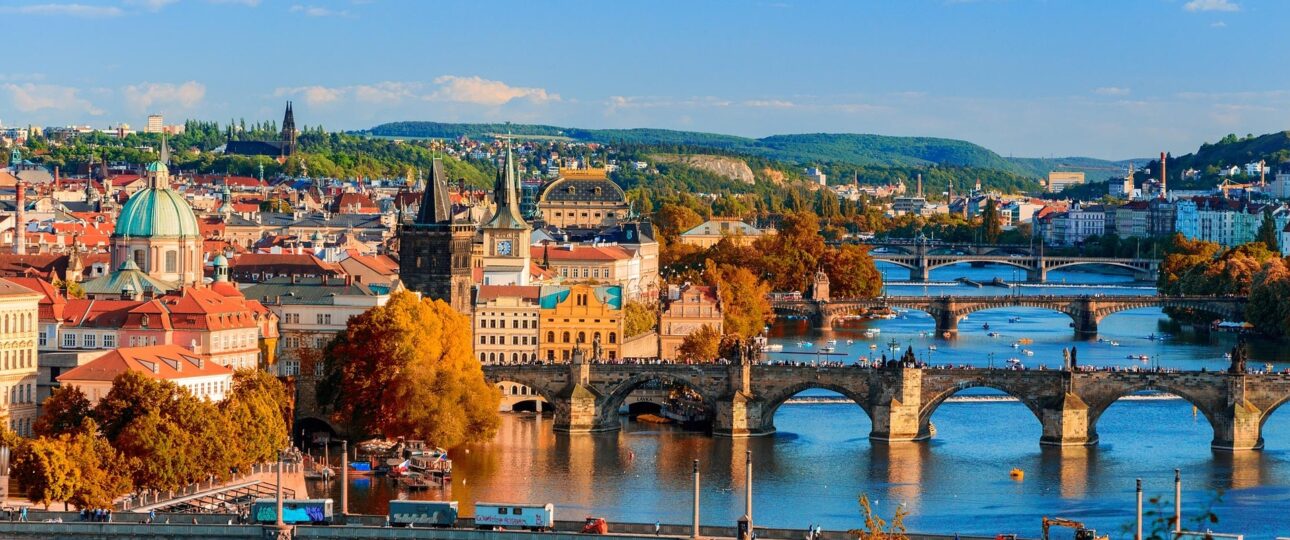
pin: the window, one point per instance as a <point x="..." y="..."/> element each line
<point x="291" y="342"/>
<point x="90" y="341"/>
<point x="69" y="340"/>
<point x="42" y="339"/>
<point x="566" y="337"/>
<point x="324" y="318"/>
<point x="109" y="341"/>
<point x="172" y="261"/>
<point x="139" y="260"/>
<point x="613" y="337"/>
<point x="319" y="343"/>
<point x="550" y="337"/>
<point x="481" y="340"/>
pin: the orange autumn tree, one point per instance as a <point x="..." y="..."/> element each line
<point x="407" y="369"/>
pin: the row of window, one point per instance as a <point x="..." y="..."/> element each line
<point x="17" y="322"/>
<point x="515" y="323"/>
<point x="22" y="393"/>
<point x="19" y="359"/>
<point x="72" y="340"/>
<point x="493" y="358"/>
<point x="293" y="342"/>
<point x="21" y="426"/>
<point x="501" y="340"/>
<point x="587" y="272"/>
<point x="319" y="318"/>
<point x="582" y="337"/>
<point x="208" y="388"/>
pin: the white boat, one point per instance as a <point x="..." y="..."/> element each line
<point x="1016" y="345"/>
<point x="831" y="342"/>
<point x="870" y="333"/>
<point x="1115" y="344"/>
<point x="931" y="347"/>
<point x="826" y="349"/>
<point x="873" y="346"/>
<point x="1014" y="319"/>
<point x="850" y="341"/>
<point x="993" y="334"/>
<point x="803" y="344"/>
<point x="1028" y="352"/>
<point x="774" y="347"/>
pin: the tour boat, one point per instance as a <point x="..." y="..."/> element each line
<point x="1014" y="319"/>
<point x="993" y="334"/>
<point x="931" y="347"/>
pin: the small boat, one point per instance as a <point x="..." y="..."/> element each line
<point x="1101" y="340"/>
<point x="931" y="347"/>
<point x="1014" y="319"/>
<point x="873" y="346"/>
<point x="360" y="468"/>
<point x="1143" y="357"/>
<point x="803" y="344"/>
<point x="1227" y="356"/>
<point x="870" y="333"/>
<point x="1028" y="352"/>
<point x="993" y="334"/>
<point x="850" y="341"/>
<point x="985" y="326"/>
<point x="826" y="349"/>
<point x="832" y="342"/>
<point x="774" y="347"/>
<point x="1016" y="345"/>
<point x="1025" y="341"/>
<point x="1115" y="344"/>
<point x="1017" y="474"/>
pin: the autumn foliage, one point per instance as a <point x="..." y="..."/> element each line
<point x="407" y="369"/>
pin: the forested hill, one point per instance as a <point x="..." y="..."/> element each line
<point x="1274" y="148"/>
<point x="803" y="149"/>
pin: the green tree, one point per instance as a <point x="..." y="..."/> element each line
<point x="638" y="319"/>
<point x="852" y="273"/>
<point x="63" y="412"/>
<point x="990" y="225"/>
<point x="407" y="369"/>
<point x="160" y="454"/>
<point x="701" y="345"/>
<point x="1268" y="231"/>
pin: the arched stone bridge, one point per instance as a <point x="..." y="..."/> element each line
<point x="1037" y="267"/>
<point x="1086" y="311"/>
<point x="743" y="398"/>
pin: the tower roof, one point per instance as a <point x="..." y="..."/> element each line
<point x="506" y="195"/>
<point x="435" y="206"/>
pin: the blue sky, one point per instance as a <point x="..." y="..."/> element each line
<point x="1104" y="78"/>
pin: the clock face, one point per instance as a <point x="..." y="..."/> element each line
<point x="503" y="247"/>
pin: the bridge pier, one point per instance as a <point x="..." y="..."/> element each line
<point x="896" y="415"/>
<point x="740" y="414"/>
<point x="919" y="273"/>
<point x="1065" y="423"/>
<point x="1037" y="275"/>
<point x="1239" y="425"/>
<point x="579" y="407"/>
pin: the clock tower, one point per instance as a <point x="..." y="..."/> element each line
<point x="434" y="249"/>
<point x="506" y="236"/>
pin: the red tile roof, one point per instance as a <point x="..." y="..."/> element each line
<point x="164" y="362"/>
<point x="579" y="253"/>
<point x="51" y="305"/>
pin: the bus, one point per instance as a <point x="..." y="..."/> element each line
<point x="294" y="511"/>
<point x="441" y="514"/>
<point x="534" y="517"/>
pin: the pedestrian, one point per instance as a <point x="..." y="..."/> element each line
<point x="658" y="527"/>
<point x="109" y="515"/>
<point x="152" y="516"/>
<point x="818" y="532"/>
<point x="22" y="514"/>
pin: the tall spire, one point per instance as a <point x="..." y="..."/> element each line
<point x="289" y="131"/>
<point x="165" y="150"/>
<point x="435" y="207"/>
<point x="505" y="194"/>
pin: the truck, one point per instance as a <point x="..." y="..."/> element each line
<point x="294" y="511"/>
<point x="442" y="514"/>
<point x="533" y="517"/>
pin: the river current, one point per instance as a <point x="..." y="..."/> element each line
<point x="820" y="460"/>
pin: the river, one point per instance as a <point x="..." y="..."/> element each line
<point x="814" y="468"/>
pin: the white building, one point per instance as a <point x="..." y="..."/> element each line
<point x="311" y="311"/>
<point x="18" y="369"/>
<point x="203" y="378"/>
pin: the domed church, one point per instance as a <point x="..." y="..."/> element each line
<point x="157" y="230"/>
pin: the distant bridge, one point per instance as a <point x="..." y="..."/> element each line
<point x="1085" y="311"/>
<point x="922" y="258"/>
<point x="742" y="398"/>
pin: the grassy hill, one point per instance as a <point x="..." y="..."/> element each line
<point x="803" y="149"/>
<point x="1274" y="148"/>
<point x="1094" y="169"/>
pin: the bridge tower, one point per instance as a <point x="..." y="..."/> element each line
<point x="739" y="413"/>
<point x="820" y="286"/>
<point x="577" y="405"/>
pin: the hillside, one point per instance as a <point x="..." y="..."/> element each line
<point x="1232" y="150"/>
<point x="1095" y="170"/>
<point x="724" y="166"/>
<point x="802" y="149"/>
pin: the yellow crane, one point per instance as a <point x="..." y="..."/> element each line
<point x="1081" y="532"/>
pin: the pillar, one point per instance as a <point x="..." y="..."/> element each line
<point x="919" y="272"/>
<point x="896" y="414"/>
<point x="1037" y="275"/>
<point x="942" y="309"/>
<point x="739" y="414"/>
<point x="1065" y="423"/>
<point x="1085" y="318"/>
<point x="579" y="407"/>
<point x="1238" y="428"/>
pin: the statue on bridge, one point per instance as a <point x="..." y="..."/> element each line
<point x="596" y="349"/>
<point x="1240" y="353"/>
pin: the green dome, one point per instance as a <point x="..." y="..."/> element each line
<point x="156" y="212"/>
<point x="157" y="166"/>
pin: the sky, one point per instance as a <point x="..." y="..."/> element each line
<point x="1112" y="79"/>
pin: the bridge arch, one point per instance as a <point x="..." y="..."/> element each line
<point x="513" y="381"/>
<point x="1099" y="404"/>
<point x="1106" y="262"/>
<point x="931" y="404"/>
<point x="1006" y="261"/>
<point x="619" y="392"/>
<point x="772" y="401"/>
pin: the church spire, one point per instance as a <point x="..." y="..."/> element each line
<point x="505" y="194"/>
<point x="288" y="131"/>
<point x="165" y="150"/>
<point x="435" y="206"/>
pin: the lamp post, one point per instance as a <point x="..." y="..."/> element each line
<point x="278" y="494"/>
<point x="344" y="480"/>
<point x="695" y="532"/>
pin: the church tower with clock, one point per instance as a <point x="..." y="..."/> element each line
<point x="506" y="236"/>
<point x="434" y="249"/>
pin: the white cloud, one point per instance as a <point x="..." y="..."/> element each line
<point x="1211" y="5"/>
<point x="151" y="5"/>
<point x="31" y="97"/>
<point x="68" y="10"/>
<point x="386" y="92"/>
<point x="1111" y="91"/>
<point x="143" y="97"/>
<point x="769" y="103"/>
<point x="318" y="11"/>
<point x="248" y="3"/>
<point x="482" y="91"/>
<point x="1218" y="24"/>
<point x="314" y="95"/>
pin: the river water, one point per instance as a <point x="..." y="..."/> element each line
<point x="820" y="460"/>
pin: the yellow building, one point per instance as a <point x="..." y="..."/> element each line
<point x="583" y="199"/>
<point x="506" y="323"/>
<point x="1059" y="180"/>
<point x="585" y="317"/>
<point x="18" y="369"/>
<point x="708" y="233"/>
<point x="687" y="309"/>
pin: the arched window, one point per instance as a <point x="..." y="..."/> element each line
<point x="482" y="357"/>
<point x="613" y="337"/>
<point x="492" y="357"/>
<point x="139" y="259"/>
<point x="566" y="337"/>
<point x="515" y="357"/>
<point x="582" y="337"/>
<point x="550" y="337"/>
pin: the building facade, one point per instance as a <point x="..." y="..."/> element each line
<point x="583" y="199"/>
<point x="686" y="309"/>
<point x="435" y="248"/>
<point x="584" y="317"/>
<point x="19" y="323"/>
<point x="506" y="320"/>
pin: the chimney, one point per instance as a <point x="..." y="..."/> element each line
<point x="20" y="219"/>
<point x="58" y="184"/>
<point x="1164" y="178"/>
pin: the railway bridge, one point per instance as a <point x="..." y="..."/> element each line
<point x="1086" y="311"/>
<point x="742" y="398"/>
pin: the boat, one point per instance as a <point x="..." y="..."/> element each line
<point x="993" y="334"/>
<point x="774" y="347"/>
<point x="1014" y="319"/>
<point x="1144" y="357"/>
<point x="826" y="350"/>
<point x="803" y="344"/>
<point x="873" y="346"/>
<point x="831" y="342"/>
<point x="1016" y="345"/>
<point x="946" y="334"/>
<point x="415" y="481"/>
<point x="1028" y="352"/>
<point x="850" y="341"/>
<point x="931" y="347"/>
<point x="893" y="345"/>
<point x="360" y="468"/>
<point x="1227" y="356"/>
<point x="1025" y="341"/>
<point x="1017" y="474"/>
<point x="1115" y="344"/>
<point x="985" y="326"/>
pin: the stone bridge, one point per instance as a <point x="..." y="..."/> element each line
<point x="922" y="263"/>
<point x="1085" y="311"/>
<point x="743" y="398"/>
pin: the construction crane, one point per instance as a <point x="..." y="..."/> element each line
<point x="1081" y="532"/>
